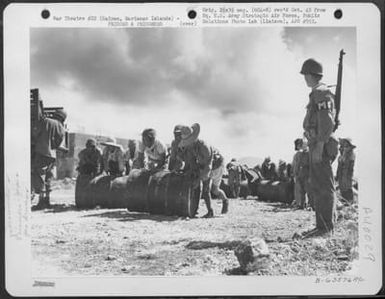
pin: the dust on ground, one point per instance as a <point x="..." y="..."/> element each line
<point x="68" y="241"/>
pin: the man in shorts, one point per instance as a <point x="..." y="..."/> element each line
<point x="205" y="164"/>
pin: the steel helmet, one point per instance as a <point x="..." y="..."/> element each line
<point x="298" y="142"/>
<point x="311" y="66"/>
<point x="60" y="114"/>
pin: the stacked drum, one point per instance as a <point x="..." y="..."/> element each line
<point x="163" y="192"/>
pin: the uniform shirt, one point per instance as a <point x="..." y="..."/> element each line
<point x="155" y="153"/>
<point x="199" y="158"/>
<point x="235" y="172"/>
<point x="176" y="157"/>
<point x="131" y="153"/>
<point x="115" y="155"/>
<point x="319" y="120"/>
<point x="49" y="135"/>
<point x="265" y="169"/>
<point x="345" y="170"/>
<point x="300" y="164"/>
<point x="90" y="156"/>
<point x="282" y="174"/>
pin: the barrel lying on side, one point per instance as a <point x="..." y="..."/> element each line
<point x="82" y="191"/>
<point x="169" y="194"/>
<point x="100" y="190"/>
<point x="135" y="195"/>
<point x="118" y="193"/>
<point x="275" y="191"/>
<point x="163" y="193"/>
<point x="244" y="189"/>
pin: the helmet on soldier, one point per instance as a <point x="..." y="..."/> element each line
<point x="298" y="143"/>
<point x="60" y="114"/>
<point x="311" y="66"/>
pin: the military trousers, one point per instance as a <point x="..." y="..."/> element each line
<point x="299" y="192"/>
<point x="201" y="191"/>
<point x="323" y="192"/>
<point x="347" y="194"/>
<point x="41" y="173"/>
<point x="235" y="186"/>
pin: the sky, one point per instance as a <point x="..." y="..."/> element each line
<point x="242" y="85"/>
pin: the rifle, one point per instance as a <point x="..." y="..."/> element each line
<point x="337" y="99"/>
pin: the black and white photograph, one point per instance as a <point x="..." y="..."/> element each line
<point x="206" y="151"/>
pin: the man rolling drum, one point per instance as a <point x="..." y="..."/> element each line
<point x="205" y="164"/>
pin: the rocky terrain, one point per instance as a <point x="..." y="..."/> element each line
<point x="68" y="241"/>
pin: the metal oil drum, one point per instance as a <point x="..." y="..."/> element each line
<point x="275" y="191"/>
<point x="82" y="191"/>
<point x="169" y="193"/>
<point x="136" y="190"/>
<point x="119" y="195"/>
<point x="100" y="190"/>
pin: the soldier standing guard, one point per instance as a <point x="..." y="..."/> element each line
<point x="323" y="147"/>
<point x="45" y="140"/>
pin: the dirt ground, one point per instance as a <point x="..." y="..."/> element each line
<point x="68" y="241"/>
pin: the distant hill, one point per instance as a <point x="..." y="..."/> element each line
<point x="250" y="161"/>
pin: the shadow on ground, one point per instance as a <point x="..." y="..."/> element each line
<point x="124" y="215"/>
<point x="198" y="245"/>
<point x="56" y="208"/>
<point x="280" y="207"/>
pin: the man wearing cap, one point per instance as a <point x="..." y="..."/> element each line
<point x="235" y="177"/>
<point x="151" y="149"/>
<point x="301" y="175"/>
<point x="345" y="169"/>
<point x="45" y="140"/>
<point x="318" y="127"/>
<point x="265" y="168"/>
<point x="206" y="164"/>
<point x="113" y="158"/>
<point x="90" y="159"/>
<point x="176" y="156"/>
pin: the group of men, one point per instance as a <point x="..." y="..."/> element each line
<point x="269" y="171"/>
<point x="148" y="153"/>
<point x="344" y="177"/>
<point x="204" y="165"/>
<point x="201" y="163"/>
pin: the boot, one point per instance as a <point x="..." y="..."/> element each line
<point x="41" y="205"/>
<point x="43" y="202"/>
<point x="317" y="233"/>
<point x="225" y="206"/>
<point x="210" y="214"/>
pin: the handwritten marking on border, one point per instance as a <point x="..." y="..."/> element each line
<point x="39" y="283"/>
